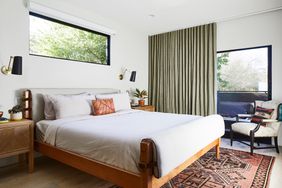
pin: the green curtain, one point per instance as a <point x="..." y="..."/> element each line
<point x="182" y="70"/>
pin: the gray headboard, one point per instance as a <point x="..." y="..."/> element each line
<point x="37" y="97"/>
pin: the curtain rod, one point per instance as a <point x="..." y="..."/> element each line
<point x="247" y="15"/>
<point x="223" y="19"/>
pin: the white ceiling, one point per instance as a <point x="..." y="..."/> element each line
<point x="171" y="14"/>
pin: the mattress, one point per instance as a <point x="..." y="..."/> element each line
<point x="115" y="138"/>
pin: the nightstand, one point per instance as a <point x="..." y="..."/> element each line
<point x="145" y="108"/>
<point x="16" y="138"/>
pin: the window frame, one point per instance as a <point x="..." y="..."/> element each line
<point x="269" y="68"/>
<point x="108" y="61"/>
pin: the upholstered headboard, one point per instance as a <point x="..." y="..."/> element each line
<point x="34" y="104"/>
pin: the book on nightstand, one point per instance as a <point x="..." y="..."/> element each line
<point x="4" y="120"/>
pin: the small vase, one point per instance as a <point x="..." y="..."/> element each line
<point x="141" y="102"/>
<point x="16" y="116"/>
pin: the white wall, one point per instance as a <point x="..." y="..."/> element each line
<point x="128" y="49"/>
<point x="258" y="30"/>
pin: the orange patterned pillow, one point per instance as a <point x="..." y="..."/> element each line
<point x="103" y="106"/>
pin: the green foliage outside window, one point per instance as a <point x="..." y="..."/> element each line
<point x="243" y="70"/>
<point x="222" y="60"/>
<point x="49" y="38"/>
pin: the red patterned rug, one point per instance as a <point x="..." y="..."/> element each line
<point x="235" y="169"/>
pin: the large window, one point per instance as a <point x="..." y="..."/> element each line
<point x="53" y="38"/>
<point x="243" y="76"/>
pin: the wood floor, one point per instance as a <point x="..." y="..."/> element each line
<point x="48" y="174"/>
<point x="52" y="174"/>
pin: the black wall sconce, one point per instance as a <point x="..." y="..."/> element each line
<point x="14" y="67"/>
<point x="132" y="76"/>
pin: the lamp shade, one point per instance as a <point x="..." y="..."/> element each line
<point x="133" y="76"/>
<point x="17" y="65"/>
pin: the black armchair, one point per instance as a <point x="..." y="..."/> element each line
<point x="256" y="130"/>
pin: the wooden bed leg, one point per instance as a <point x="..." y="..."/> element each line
<point x="218" y="149"/>
<point x="146" y="163"/>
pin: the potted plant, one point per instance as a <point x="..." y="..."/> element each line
<point x="16" y="112"/>
<point x="141" y="95"/>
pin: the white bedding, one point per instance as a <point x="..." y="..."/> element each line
<point x="115" y="138"/>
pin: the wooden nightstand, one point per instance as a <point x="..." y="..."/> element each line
<point x="16" y="138"/>
<point x="145" y="108"/>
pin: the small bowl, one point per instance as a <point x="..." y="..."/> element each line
<point x="1" y="114"/>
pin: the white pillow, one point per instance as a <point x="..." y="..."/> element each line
<point x="70" y="106"/>
<point x="121" y="100"/>
<point x="49" y="111"/>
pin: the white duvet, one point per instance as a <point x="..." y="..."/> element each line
<point x="115" y="138"/>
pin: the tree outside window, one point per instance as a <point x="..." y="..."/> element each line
<point x="52" y="38"/>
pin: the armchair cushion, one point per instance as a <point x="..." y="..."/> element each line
<point x="262" y="113"/>
<point x="245" y="128"/>
<point x="275" y="126"/>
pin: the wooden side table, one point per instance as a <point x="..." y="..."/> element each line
<point x="145" y="108"/>
<point x="16" y="138"/>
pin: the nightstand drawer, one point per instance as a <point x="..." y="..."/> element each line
<point x="145" y="108"/>
<point x="14" y="139"/>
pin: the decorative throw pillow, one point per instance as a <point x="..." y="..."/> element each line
<point x="121" y="100"/>
<point x="270" y="105"/>
<point x="261" y="113"/>
<point x="103" y="106"/>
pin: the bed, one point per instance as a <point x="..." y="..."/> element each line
<point x="139" y="152"/>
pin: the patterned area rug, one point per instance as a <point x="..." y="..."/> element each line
<point x="235" y="169"/>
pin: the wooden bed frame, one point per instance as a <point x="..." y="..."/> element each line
<point x="116" y="175"/>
